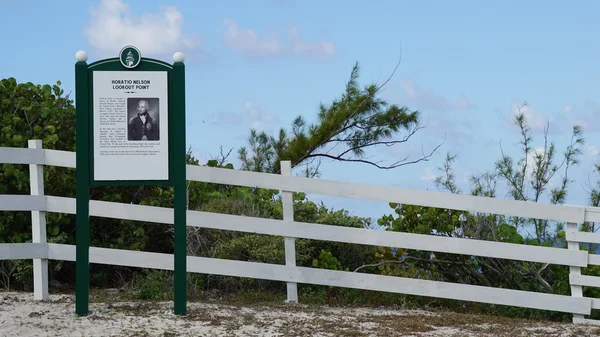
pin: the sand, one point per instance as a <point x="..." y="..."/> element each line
<point x="20" y="315"/>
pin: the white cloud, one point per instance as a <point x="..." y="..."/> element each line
<point x="592" y="150"/>
<point x="584" y="115"/>
<point x="428" y="174"/>
<point x="112" y="26"/>
<point x="250" y="113"/>
<point x="427" y="99"/>
<point x="249" y="42"/>
<point x="539" y="151"/>
<point x="560" y="121"/>
<point x="536" y="121"/>
<point x="446" y="126"/>
<point x="312" y="49"/>
<point x="227" y="118"/>
<point x="252" y="44"/>
<point x="568" y="109"/>
<point x="257" y="117"/>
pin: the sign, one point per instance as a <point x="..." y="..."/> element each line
<point x="128" y="111"/>
<point x="131" y="125"/>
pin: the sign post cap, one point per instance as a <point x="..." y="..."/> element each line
<point x="178" y="57"/>
<point x="81" y="56"/>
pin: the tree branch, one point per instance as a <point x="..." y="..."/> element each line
<point x="406" y="258"/>
<point x="393" y="72"/>
<point x="380" y="264"/>
<point x="388" y="143"/>
<point x="403" y="162"/>
<point x="388" y="167"/>
<point x="539" y="277"/>
<point x="347" y="126"/>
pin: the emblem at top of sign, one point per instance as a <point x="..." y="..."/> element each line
<point x="130" y="57"/>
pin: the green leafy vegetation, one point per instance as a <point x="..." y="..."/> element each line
<point x="357" y="121"/>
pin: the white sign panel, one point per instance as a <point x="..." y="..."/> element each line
<point x="130" y="125"/>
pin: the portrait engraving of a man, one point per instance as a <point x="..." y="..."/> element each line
<point x="143" y="127"/>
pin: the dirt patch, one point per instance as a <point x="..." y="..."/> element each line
<point x="22" y="316"/>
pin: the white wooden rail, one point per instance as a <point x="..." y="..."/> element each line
<point x="40" y="251"/>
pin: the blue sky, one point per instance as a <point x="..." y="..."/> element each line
<point x="466" y="65"/>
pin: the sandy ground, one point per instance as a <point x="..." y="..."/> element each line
<point x="20" y="315"/>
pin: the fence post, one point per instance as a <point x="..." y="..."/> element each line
<point x="576" y="290"/>
<point x="38" y="227"/>
<point x="290" y="243"/>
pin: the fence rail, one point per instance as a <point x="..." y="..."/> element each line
<point x="388" y="194"/>
<point x="304" y="230"/>
<point x="41" y="251"/>
<point x="275" y="272"/>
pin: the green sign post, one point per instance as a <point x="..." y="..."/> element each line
<point x="130" y="127"/>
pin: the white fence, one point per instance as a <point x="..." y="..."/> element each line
<point x="40" y="251"/>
